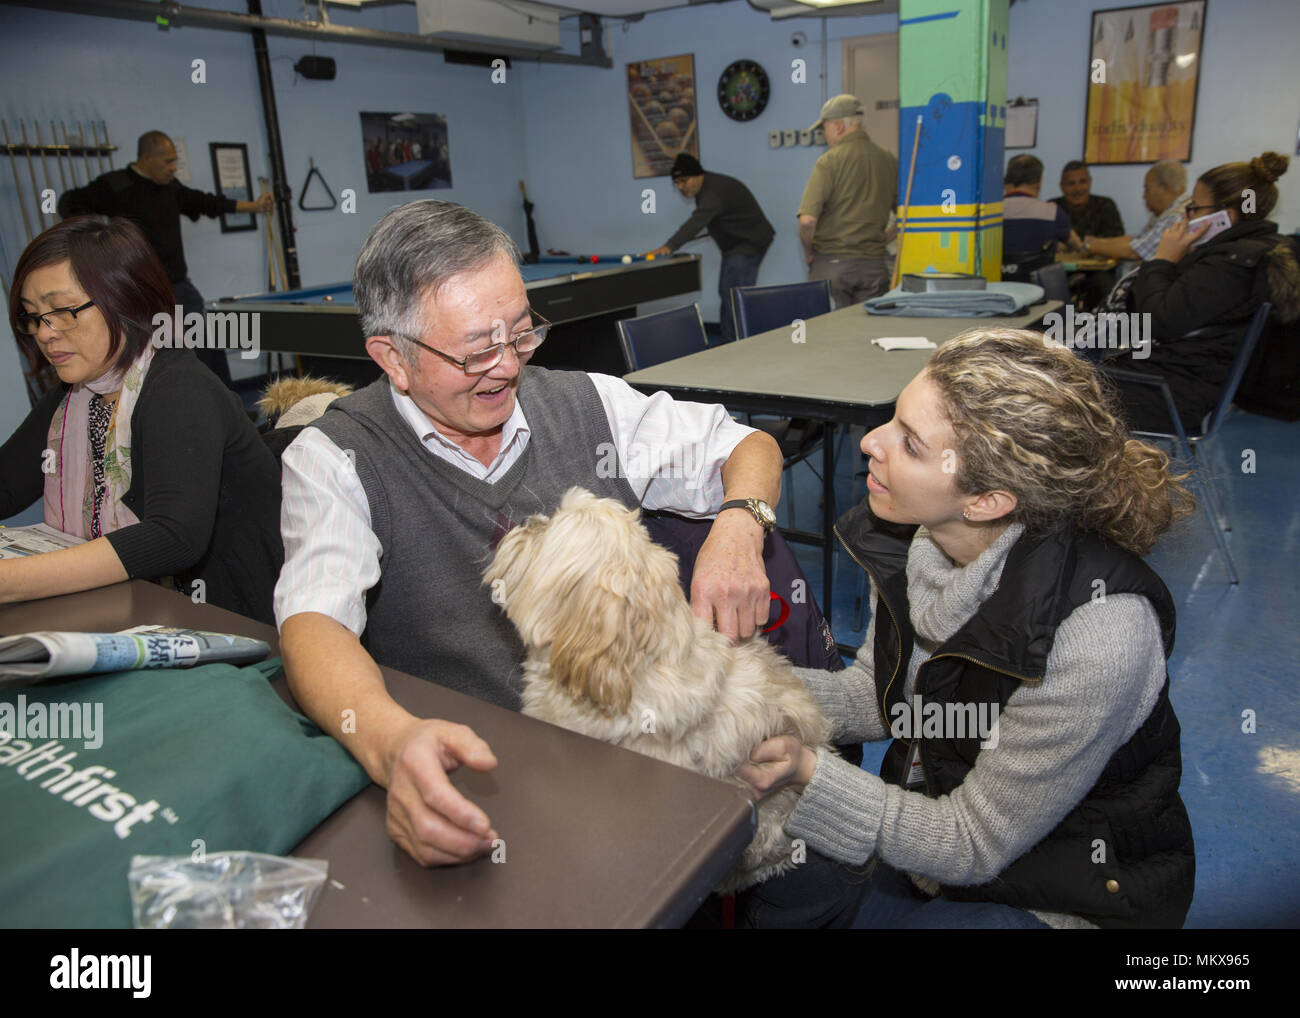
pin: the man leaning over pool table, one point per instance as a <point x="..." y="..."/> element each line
<point x="394" y="500"/>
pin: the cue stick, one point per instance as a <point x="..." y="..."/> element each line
<point x="31" y="169"/>
<point x="533" y="252"/>
<point x="13" y="165"/>
<point x="85" y="152"/>
<point x="108" y="146"/>
<point x="72" y="163"/>
<point x="58" y="158"/>
<point x="99" y="152"/>
<point x="907" y="204"/>
<point x="270" y="257"/>
<point x="277" y="245"/>
<point x="45" y="166"/>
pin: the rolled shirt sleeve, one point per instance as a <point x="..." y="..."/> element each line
<point x="670" y="451"/>
<point x="331" y="555"/>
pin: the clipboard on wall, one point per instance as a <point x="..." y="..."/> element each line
<point x="1022" y="123"/>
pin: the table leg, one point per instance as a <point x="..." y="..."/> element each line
<point x="828" y="516"/>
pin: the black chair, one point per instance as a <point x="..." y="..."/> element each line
<point x="664" y="336"/>
<point x="1186" y="440"/>
<point x="758" y="309"/>
<point x="1020" y="266"/>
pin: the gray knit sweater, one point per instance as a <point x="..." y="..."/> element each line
<point x="1104" y="673"/>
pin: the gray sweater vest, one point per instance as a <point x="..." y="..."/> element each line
<point x="430" y="614"/>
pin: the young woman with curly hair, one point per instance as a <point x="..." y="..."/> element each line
<point x="1006" y="514"/>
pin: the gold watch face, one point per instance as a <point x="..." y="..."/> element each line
<point x="764" y="511"/>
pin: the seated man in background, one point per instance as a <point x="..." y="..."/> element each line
<point x="395" y="498"/>
<point x="1030" y="224"/>
<point x="1090" y="214"/>
<point x="1164" y="191"/>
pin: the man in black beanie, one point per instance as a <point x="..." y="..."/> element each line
<point x="726" y="209"/>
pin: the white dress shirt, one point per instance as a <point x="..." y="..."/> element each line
<point x="671" y="453"/>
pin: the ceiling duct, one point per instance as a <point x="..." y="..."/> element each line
<point x="517" y="24"/>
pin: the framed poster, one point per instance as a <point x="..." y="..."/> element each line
<point x="661" y="103"/>
<point x="405" y="151"/>
<point x="230" y="171"/>
<point x="1144" y="66"/>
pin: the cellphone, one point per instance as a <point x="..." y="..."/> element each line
<point x="1218" y="221"/>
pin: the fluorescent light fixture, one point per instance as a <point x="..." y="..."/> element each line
<point x="835" y="3"/>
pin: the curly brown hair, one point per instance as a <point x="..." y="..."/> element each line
<point x="1034" y="419"/>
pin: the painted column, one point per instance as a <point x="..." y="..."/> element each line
<point x="952" y="60"/>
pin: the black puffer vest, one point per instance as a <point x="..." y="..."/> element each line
<point x="1123" y="857"/>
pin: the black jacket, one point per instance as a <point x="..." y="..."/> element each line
<point x="155" y="208"/>
<point x="1123" y="856"/>
<point x="204" y="486"/>
<point x="1211" y="292"/>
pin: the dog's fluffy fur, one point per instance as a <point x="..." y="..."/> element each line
<point x="614" y="652"/>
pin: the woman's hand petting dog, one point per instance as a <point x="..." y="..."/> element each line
<point x="729" y="588"/>
<point x="778" y="762"/>
<point x="427" y="817"/>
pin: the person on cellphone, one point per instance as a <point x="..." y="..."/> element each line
<point x="140" y="451"/>
<point x="1016" y="655"/>
<point x="1206" y="280"/>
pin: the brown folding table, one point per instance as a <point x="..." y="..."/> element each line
<point x="595" y="836"/>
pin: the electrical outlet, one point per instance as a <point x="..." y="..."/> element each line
<point x="819" y="137"/>
<point x="805" y="137"/>
<point x="773" y="139"/>
<point x="791" y="137"/>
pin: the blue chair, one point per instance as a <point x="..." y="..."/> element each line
<point x="663" y="336"/>
<point x="1053" y="280"/>
<point x="761" y="308"/>
<point x="1186" y="440"/>
<point x="758" y="309"/>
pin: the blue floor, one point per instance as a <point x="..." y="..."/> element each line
<point x="1237" y="650"/>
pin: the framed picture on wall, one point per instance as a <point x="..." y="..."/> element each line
<point x="661" y="103"/>
<point x="231" y="173"/>
<point x="1143" y="70"/>
<point x="406" y="151"/>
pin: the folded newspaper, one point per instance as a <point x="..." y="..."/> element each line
<point x="19" y="542"/>
<point x="35" y="656"/>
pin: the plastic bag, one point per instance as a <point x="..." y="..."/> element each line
<point x="225" y="891"/>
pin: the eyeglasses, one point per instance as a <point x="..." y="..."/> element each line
<point x="485" y="360"/>
<point x="1191" y="210"/>
<point x="59" y="319"/>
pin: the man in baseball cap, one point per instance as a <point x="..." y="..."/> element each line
<point x="846" y="206"/>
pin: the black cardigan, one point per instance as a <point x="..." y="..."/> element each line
<point x="203" y="483"/>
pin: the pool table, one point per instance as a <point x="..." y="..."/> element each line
<point x="582" y="299"/>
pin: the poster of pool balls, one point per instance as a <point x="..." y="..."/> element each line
<point x="661" y="103"/>
<point x="405" y="151"/>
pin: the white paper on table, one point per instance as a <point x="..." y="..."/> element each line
<point x="19" y="542"/>
<point x="904" y="343"/>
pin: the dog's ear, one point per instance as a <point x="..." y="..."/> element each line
<point x="593" y="652"/>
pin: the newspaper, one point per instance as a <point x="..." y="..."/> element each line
<point x="19" y="542"/>
<point x="35" y="656"/>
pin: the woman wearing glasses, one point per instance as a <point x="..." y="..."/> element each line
<point x="140" y="451"/>
<point x="1209" y="282"/>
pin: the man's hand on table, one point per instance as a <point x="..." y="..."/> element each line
<point x="730" y="583"/>
<point x="427" y="817"/>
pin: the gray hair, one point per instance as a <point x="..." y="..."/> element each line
<point x="1171" y="175"/>
<point x="853" y="123"/>
<point x="409" y="254"/>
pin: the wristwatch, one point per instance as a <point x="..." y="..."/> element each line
<point x="761" y="510"/>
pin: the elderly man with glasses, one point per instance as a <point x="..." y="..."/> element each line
<point x="396" y="497"/>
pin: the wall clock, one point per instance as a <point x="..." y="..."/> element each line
<point x="743" y="90"/>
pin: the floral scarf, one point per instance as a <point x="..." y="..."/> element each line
<point x="89" y="473"/>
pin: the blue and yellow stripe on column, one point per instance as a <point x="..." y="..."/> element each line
<point x="952" y="57"/>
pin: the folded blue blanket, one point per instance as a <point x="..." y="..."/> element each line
<point x="998" y="299"/>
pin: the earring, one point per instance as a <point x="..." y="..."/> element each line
<point x="965" y="514"/>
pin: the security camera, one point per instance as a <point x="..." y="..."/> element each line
<point x="798" y="39"/>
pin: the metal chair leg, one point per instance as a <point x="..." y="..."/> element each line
<point x="1202" y="484"/>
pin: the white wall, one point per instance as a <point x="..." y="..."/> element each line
<point x="1248" y="100"/>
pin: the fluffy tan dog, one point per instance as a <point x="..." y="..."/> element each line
<point x="614" y="652"/>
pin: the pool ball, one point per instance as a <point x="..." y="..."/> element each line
<point x="327" y="297"/>
<point x="627" y="259"/>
